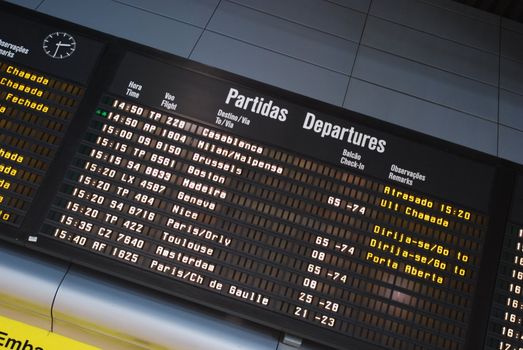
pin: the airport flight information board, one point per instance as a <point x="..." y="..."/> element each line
<point x="254" y="201"/>
<point x="506" y="325"/>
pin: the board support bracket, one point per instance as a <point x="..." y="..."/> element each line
<point x="289" y="342"/>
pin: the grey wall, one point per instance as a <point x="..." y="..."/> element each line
<point x="434" y="66"/>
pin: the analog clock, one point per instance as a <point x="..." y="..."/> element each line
<point x="59" y="45"/>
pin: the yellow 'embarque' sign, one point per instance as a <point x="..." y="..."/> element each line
<point x="15" y="335"/>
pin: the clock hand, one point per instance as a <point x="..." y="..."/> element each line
<point x="57" y="48"/>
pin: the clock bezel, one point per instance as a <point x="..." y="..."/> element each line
<point x="70" y="50"/>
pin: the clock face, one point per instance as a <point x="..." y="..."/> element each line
<point x="59" y="45"/>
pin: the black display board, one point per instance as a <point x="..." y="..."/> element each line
<point x="276" y="208"/>
<point x="506" y="323"/>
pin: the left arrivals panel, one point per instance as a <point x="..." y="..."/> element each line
<point x="44" y="73"/>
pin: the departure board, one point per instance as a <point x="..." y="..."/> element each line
<point x="251" y="200"/>
<point x="218" y="203"/>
